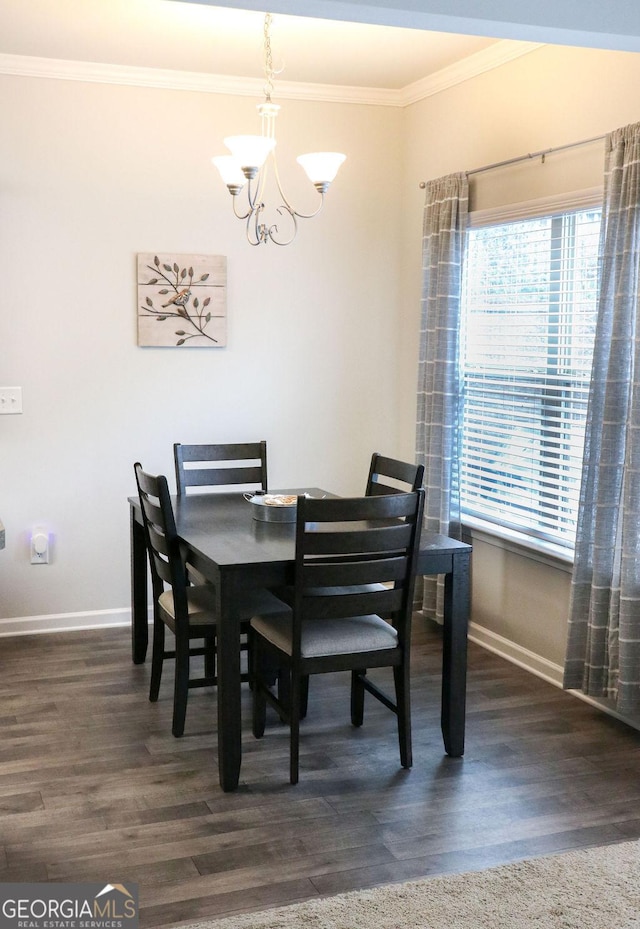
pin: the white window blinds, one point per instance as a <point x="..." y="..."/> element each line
<point x="529" y="310"/>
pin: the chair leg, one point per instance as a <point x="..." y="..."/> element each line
<point x="181" y="687"/>
<point x="284" y="687"/>
<point x="294" y="723"/>
<point x="403" y="703"/>
<point x="304" y="695"/>
<point x="270" y="670"/>
<point x="259" y="701"/>
<point x="357" y="697"/>
<point x="156" y="658"/>
<point x="210" y="658"/>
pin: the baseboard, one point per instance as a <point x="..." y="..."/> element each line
<point x="64" y="622"/>
<point x="547" y="670"/>
<point x="516" y="654"/>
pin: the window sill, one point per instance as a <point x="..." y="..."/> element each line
<point x="508" y="539"/>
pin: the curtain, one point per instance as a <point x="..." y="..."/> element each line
<point x="603" y="650"/>
<point x="439" y="389"/>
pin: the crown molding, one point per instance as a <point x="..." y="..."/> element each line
<point x="60" y="69"/>
<point x="495" y="56"/>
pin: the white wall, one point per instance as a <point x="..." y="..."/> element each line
<point x="326" y="328"/>
<point x="92" y="174"/>
<point x="549" y="97"/>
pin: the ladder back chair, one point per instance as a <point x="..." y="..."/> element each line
<point x="355" y="562"/>
<point x="390" y="476"/>
<point x="221" y="465"/>
<point x="386" y="476"/>
<point x="189" y="611"/>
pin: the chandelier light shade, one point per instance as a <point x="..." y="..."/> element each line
<point x="321" y="167"/>
<point x="250" y="152"/>
<point x="230" y="171"/>
<point x="246" y="168"/>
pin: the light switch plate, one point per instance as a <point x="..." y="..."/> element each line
<point x="10" y="400"/>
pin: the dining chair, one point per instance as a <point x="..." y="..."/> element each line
<point x="190" y="612"/>
<point x="220" y="466"/>
<point x="386" y="476"/>
<point x="391" y="476"/>
<point x="355" y="562"/>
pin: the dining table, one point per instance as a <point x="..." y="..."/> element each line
<point x="234" y="551"/>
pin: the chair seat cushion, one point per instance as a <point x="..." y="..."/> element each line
<point x="322" y="637"/>
<point x="201" y="603"/>
<point x="202" y="606"/>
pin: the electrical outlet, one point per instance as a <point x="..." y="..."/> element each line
<point x="39" y="547"/>
<point x="10" y="400"/>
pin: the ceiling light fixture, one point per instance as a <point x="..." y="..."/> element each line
<point x="248" y="165"/>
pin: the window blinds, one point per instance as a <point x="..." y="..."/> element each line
<point x="529" y="310"/>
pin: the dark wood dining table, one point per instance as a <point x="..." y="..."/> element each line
<point x="234" y="551"/>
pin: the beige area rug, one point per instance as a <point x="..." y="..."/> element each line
<point x="596" y="888"/>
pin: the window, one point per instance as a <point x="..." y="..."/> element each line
<point x="529" y="311"/>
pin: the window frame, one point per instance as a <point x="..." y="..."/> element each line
<point x="565" y="202"/>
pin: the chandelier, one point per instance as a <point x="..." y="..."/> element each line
<point x="247" y="168"/>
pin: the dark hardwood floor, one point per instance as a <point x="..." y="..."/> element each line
<point x="93" y="786"/>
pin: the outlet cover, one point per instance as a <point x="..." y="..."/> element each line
<point x="39" y="547"/>
<point x="10" y="400"/>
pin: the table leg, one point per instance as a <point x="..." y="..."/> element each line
<point x="229" y="698"/>
<point x="139" y="618"/>
<point x="454" y="655"/>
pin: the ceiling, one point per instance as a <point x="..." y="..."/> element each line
<point x="388" y="45"/>
<point x="206" y="39"/>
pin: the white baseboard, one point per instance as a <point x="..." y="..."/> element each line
<point x="541" y="667"/>
<point x="64" y="622"/>
<point x="516" y="654"/>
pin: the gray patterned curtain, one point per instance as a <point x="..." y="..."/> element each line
<point x="603" y="651"/>
<point x="439" y="389"/>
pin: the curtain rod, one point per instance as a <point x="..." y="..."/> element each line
<point x="541" y="154"/>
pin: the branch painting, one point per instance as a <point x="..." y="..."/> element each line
<point x="182" y="300"/>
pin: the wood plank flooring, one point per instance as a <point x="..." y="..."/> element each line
<point x="93" y="786"/>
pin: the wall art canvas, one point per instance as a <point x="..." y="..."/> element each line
<point x="182" y="300"/>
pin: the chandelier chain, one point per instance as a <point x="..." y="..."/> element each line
<point x="268" y="59"/>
